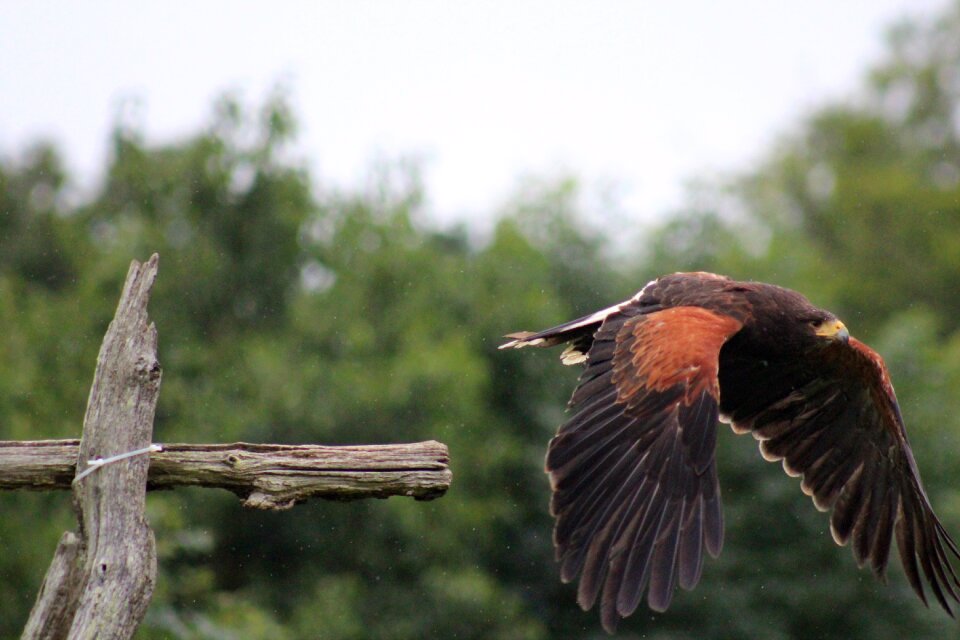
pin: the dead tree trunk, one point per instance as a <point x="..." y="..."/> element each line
<point x="101" y="580"/>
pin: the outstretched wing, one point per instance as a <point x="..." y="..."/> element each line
<point x="634" y="481"/>
<point x="833" y="419"/>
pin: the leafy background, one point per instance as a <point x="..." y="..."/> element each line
<point x="291" y="313"/>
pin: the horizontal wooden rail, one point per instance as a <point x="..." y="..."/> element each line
<point x="265" y="476"/>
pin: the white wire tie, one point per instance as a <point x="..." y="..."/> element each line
<point x="93" y="465"/>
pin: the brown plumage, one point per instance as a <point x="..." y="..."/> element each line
<point x="635" y="491"/>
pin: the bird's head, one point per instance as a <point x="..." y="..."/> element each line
<point x="829" y="327"/>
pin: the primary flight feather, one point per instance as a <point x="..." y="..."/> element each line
<point x="635" y="491"/>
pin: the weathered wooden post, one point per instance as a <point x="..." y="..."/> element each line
<point x="101" y="580"/>
<point x="102" y="576"/>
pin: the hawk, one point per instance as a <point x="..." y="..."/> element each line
<point x="633" y="474"/>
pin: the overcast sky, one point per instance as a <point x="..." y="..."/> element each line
<point x="644" y="95"/>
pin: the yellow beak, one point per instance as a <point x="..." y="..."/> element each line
<point x="836" y="330"/>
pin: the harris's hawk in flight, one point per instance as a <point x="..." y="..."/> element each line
<point x="634" y="479"/>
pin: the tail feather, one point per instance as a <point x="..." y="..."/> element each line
<point x="575" y="331"/>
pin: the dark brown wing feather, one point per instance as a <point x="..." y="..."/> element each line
<point x="635" y="484"/>
<point x="833" y="419"/>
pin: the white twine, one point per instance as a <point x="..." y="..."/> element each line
<point x="99" y="462"/>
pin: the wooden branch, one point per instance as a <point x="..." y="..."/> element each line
<point x="57" y="602"/>
<point x="266" y="476"/>
<point x="116" y="554"/>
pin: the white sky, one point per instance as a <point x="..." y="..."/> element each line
<point x="644" y="95"/>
